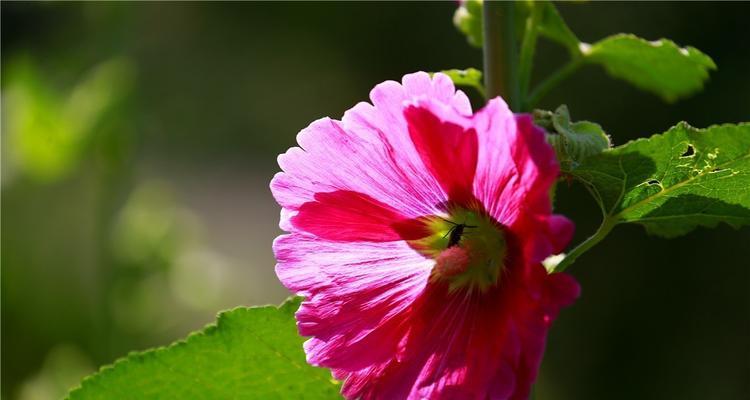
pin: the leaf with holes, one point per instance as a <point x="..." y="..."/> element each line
<point x="660" y="66"/>
<point x="674" y="182"/>
<point x="250" y="353"/>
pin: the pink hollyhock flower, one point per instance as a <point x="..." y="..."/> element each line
<point x="417" y="231"/>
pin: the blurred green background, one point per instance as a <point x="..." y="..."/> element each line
<point x="138" y="141"/>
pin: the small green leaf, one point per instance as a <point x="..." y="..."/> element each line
<point x="573" y="141"/>
<point x="49" y="132"/>
<point x="660" y="66"/>
<point x="674" y="182"/>
<point x="470" y="77"/>
<point x="552" y="26"/>
<point x="468" y="20"/>
<point x="250" y="353"/>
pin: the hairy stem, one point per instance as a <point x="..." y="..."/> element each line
<point x="500" y="52"/>
<point x="551" y="82"/>
<point x="528" y="48"/>
<point x="115" y="181"/>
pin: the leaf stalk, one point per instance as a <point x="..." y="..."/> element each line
<point x="552" y="81"/>
<point x="528" y="48"/>
<point x="607" y="224"/>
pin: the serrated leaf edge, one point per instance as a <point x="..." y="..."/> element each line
<point x="679" y="125"/>
<point x="587" y="50"/>
<point x="207" y="330"/>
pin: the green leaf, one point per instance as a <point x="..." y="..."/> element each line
<point x="470" y="77"/>
<point x="552" y="26"/>
<point x="674" y="182"/>
<point x="49" y="132"/>
<point x="573" y="141"/>
<point x="250" y="353"/>
<point x="660" y="66"/>
<point x="468" y="20"/>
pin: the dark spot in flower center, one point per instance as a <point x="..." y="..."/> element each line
<point x="455" y="232"/>
<point x="469" y="254"/>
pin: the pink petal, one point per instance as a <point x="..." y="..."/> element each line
<point x="468" y="344"/>
<point x="496" y="176"/>
<point x="516" y="169"/>
<point x="360" y="187"/>
<point x="369" y="152"/>
<point x="352" y="160"/>
<point x="451" y="351"/>
<point x="561" y="231"/>
<point x="534" y="313"/>
<point x="356" y="293"/>
<point x="351" y="216"/>
<point x="447" y="149"/>
<point x="561" y="289"/>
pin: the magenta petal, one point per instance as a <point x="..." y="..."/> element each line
<point x="350" y="216"/>
<point x="356" y="190"/>
<point x="369" y="152"/>
<point x="467" y="346"/>
<point x="356" y="293"/>
<point x="497" y="179"/>
<point x="561" y="232"/>
<point x="515" y="172"/>
<point x="353" y="160"/>
<point x="561" y="290"/>
<point x="447" y="149"/>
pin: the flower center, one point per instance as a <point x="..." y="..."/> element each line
<point x="469" y="249"/>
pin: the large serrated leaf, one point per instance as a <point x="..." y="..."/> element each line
<point x="250" y="353"/>
<point x="660" y="66"/>
<point x="674" y="182"/>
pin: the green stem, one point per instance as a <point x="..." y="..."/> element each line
<point x="551" y="82"/>
<point x="500" y="52"/>
<point x="528" y="48"/>
<point x="115" y="183"/>
<point x="115" y="165"/>
<point x="606" y="226"/>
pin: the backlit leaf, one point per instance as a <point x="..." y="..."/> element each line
<point x="470" y="77"/>
<point x="674" y="182"/>
<point x="468" y="20"/>
<point x="552" y="26"/>
<point x="250" y="353"/>
<point x="660" y="66"/>
<point x="573" y="141"/>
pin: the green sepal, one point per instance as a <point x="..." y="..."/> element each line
<point x="468" y="20"/>
<point x="573" y="141"/>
